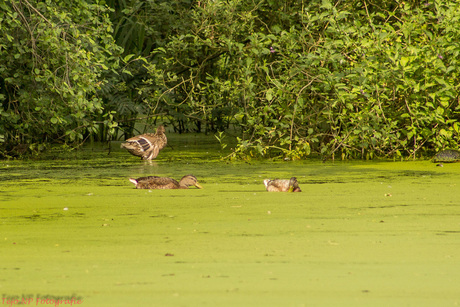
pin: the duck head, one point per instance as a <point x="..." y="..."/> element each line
<point x="294" y="185"/>
<point x="190" y="180"/>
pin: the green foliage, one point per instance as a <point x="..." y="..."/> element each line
<point x="52" y="57"/>
<point x="140" y="27"/>
<point x="340" y="79"/>
<point x="347" y="79"/>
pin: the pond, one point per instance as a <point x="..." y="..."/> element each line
<point x="362" y="233"/>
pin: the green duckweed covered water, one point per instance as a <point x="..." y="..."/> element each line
<point x="360" y="233"/>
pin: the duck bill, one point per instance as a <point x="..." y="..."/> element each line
<point x="198" y="186"/>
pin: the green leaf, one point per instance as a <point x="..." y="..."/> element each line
<point x="404" y="61"/>
<point x="128" y="57"/>
<point x="269" y="95"/>
<point x="125" y="71"/>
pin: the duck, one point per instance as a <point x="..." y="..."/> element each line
<point x="147" y="145"/>
<point x="163" y="183"/>
<point x="282" y="185"/>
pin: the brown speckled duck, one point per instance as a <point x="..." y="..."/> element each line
<point x="148" y="145"/>
<point x="282" y="185"/>
<point x="162" y="183"/>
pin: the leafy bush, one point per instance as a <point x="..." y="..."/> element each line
<point x="347" y="79"/>
<point x="52" y="57"/>
<point x="350" y="79"/>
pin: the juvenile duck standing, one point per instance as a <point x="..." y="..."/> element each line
<point x="282" y="185"/>
<point x="162" y="183"/>
<point x="147" y="145"/>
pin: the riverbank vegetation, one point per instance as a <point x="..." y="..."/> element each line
<point x="343" y="79"/>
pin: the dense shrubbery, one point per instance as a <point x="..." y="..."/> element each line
<point x="52" y="56"/>
<point x="341" y="79"/>
<point x="349" y="80"/>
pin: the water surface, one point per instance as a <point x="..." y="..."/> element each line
<point x="360" y="234"/>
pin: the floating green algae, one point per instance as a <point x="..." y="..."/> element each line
<point x="360" y="233"/>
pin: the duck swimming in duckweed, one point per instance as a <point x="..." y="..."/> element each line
<point x="147" y="145"/>
<point x="162" y="183"/>
<point x="282" y="185"/>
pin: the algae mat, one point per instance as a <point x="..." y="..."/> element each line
<point x="75" y="231"/>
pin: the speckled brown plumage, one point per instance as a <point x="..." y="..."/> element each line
<point x="282" y="185"/>
<point x="148" y="145"/>
<point x="162" y="183"/>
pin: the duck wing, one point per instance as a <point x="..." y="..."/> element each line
<point x="146" y="145"/>
<point x="137" y="144"/>
<point x="154" y="182"/>
<point x="152" y="153"/>
<point x="277" y="185"/>
<point x="152" y="144"/>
